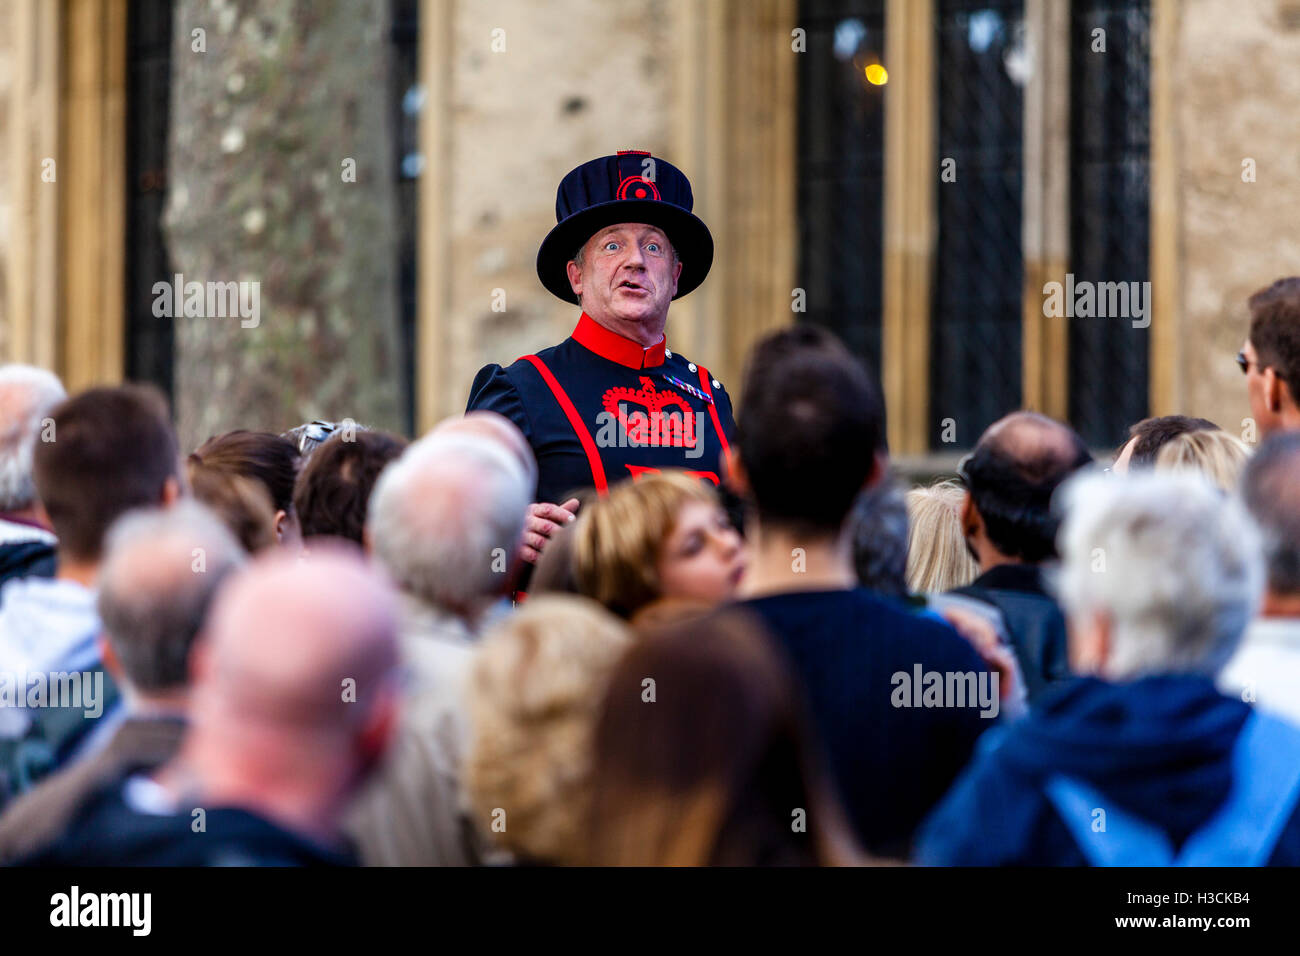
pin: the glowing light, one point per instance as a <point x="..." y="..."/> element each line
<point x="877" y="75"/>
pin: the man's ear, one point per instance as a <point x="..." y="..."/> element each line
<point x="171" y="492"/>
<point x="969" y="516"/>
<point x="1280" y="389"/>
<point x="200" y="660"/>
<point x="879" y="468"/>
<point x="514" y="571"/>
<point x="375" y="735"/>
<point x="1089" y="643"/>
<point x="109" y="657"/>
<point x="1272" y="390"/>
<point x="575" y="277"/>
<point x="736" y="478"/>
<point x="677" y="274"/>
<point x="1105" y="641"/>
<point x="41" y="516"/>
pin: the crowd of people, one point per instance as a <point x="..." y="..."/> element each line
<point x="332" y="646"/>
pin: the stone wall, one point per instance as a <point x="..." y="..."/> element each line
<point x="576" y="79"/>
<point x="1237" y="81"/>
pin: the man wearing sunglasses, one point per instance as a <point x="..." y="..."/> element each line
<point x="1270" y="359"/>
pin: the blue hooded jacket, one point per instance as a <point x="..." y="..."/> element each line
<point x="1160" y="747"/>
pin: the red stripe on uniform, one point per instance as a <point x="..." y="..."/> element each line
<point x="713" y="409"/>
<point x="575" y="421"/>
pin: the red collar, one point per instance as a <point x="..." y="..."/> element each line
<point x="594" y="337"/>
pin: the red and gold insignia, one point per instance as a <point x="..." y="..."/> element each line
<point x="652" y="417"/>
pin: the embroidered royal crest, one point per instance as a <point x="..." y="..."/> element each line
<point x="649" y="416"/>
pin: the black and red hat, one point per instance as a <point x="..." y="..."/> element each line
<point x="630" y="186"/>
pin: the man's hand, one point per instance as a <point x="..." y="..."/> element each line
<point x="544" y="520"/>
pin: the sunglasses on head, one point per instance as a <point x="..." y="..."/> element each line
<point x="317" y="432"/>
<point x="962" y="471"/>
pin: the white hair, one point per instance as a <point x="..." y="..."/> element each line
<point x="446" y="518"/>
<point x="27" y="394"/>
<point x="1175" y="564"/>
<point x="162" y="568"/>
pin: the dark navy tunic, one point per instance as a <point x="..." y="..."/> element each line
<point x="599" y="408"/>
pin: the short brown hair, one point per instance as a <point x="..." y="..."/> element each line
<point x="1275" y="330"/>
<point x="333" y="490"/>
<point x="267" y="458"/>
<point x="113" y="450"/>
<point x="242" y="504"/>
<point x="618" y="539"/>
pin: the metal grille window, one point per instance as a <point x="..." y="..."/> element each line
<point x="1110" y="120"/>
<point x="407" y="97"/>
<point x="975" y="333"/>
<point x="149" y="342"/>
<point x="840" y="170"/>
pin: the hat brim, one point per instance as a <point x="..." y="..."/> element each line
<point x="687" y="232"/>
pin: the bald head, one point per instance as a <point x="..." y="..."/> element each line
<point x="1016" y="467"/>
<point x="1041" y="448"/>
<point x="446" y="519"/>
<point x="161" y="570"/>
<point x="494" y="427"/>
<point x="301" y="647"/>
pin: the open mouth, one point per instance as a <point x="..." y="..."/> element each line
<point x="629" y="285"/>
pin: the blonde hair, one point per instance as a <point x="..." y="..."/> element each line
<point x="937" y="559"/>
<point x="1217" y="455"/>
<point x="618" y="539"/>
<point x="535" y="686"/>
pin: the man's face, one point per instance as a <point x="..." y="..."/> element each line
<point x="627" y="274"/>
<point x="1258" y="384"/>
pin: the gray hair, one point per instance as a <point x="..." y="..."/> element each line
<point x="446" y="518"/>
<point x="1270" y="486"/>
<point x="879" y="527"/>
<point x="27" y="394"/>
<point x="1173" y="562"/>
<point x="162" y="568"/>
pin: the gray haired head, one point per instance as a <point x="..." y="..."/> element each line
<point x="162" y="568"/>
<point x="878" y="524"/>
<point x="27" y="394"/>
<point x="1270" y="486"/>
<point x="1173" y="564"/>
